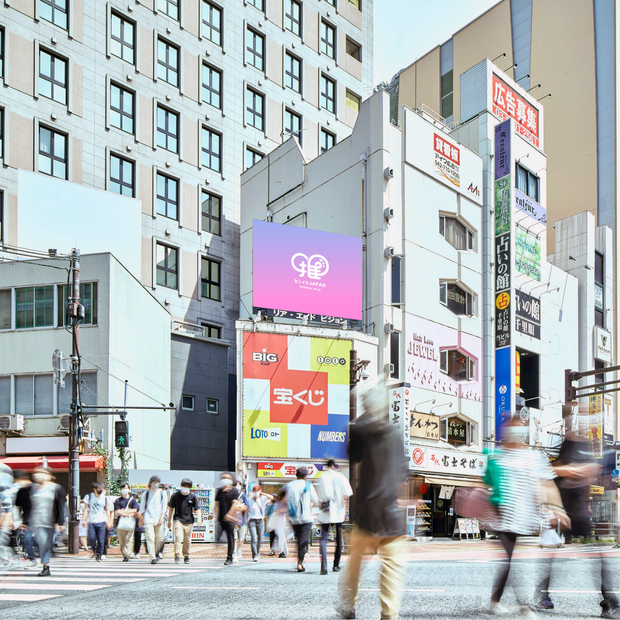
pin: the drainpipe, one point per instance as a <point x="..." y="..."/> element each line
<point x="365" y="317"/>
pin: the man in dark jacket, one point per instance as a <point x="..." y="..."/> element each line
<point x="379" y="521"/>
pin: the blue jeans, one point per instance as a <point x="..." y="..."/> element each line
<point x="44" y="536"/>
<point x="96" y="537"/>
<point x="29" y="544"/>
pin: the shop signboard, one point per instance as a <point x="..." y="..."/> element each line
<point x="442" y="157"/>
<point x="270" y="469"/>
<point x="527" y="253"/>
<point x="602" y="344"/>
<point x="527" y="311"/>
<point x="595" y="424"/>
<point x="424" y="425"/>
<point x="453" y="462"/>
<point x="503" y="393"/>
<point x="429" y="348"/>
<point x="528" y="205"/>
<point x="309" y="271"/>
<point x="508" y="104"/>
<point x="295" y="396"/>
<point x="608" y="419"/>
<point x="399" y="413"/>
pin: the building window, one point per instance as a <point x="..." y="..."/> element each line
<point x="34" y="395"/>
<point x="455" y="233"/>
<point x="2" y="52"/>
<point x="187" y="402"/>
<point x="212" y="22"/>
<point x="52" y="77"/>
<point x="599" y="289"/>
<point x="88" y="392"/>
<point x="457" y="432"/>
<point x="34" y="307"/>
<point x="259" y="4"/>
<point x="353" y="102"/>
<point x="167" y="62"/>
<point x="292" y="75"/>
<point x="354" y="49"/>
<point x="1" y="141"/>
<point x="292" y="124"/>
<point x="52" y="153"/>
<point x="328" y="140"/>
<point x="211" y="213"/>
<point x="212" y="331"/>
<point x="457" y="365"/>
<point x="1" y="240"/>
<point x="446" y="65"/>
<point x="211" y="149"/>
<point x="121" y="176"/>
<point x="5" y="308"/>
<point x="356" y="3"/>
<point x="255" y="110"/>
<point x="395" y="355"/>
<point x="122" y="39"/>
<point x="397" y="263"/>
<point x="328" y="40"/>
<point x="122" y="108"/>
<point x="169" y="7"/>
<point x="328" y="94"/>
<point x="598" y="365"/>
<point x="88" y="298"/>
<point x="167" y="196"/>
<point x="167" y="266"/>
<point x="213" y="406"/>
<point x="528" y="183"/>
<point x="332" y="2"/>
<point x="292" y="16"/>
<point x="212" y="86"/>
<point x="255" y="49"/>
<point x="167" y="129"/>
<point x="456" y="299"/>
<point x="211" y="279"/>
<point x="252" y="157"/>
<point x="54" y="11"/>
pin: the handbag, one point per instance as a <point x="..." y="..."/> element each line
<point x="272" y="521"/>
<point x="126" y="524"/>
<point x="234" y="514"/>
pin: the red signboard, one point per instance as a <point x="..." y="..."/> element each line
<point x="298" y="397"/>
<point x="508" y="104"/>
<point x="443" y="147"/>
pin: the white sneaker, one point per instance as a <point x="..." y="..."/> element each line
<point x="31" y="564"/>
<point x="103" y="557"/>
<point x="528" y="612"/>
<point x="136" y="556"/>
<point x="498" y="609"/>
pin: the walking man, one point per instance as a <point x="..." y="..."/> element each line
<point x="379" y="521"/>
<point x="301" y="496"/>
<point x="125" y="507"/>
<point x="47" y="510"/>
<point x="333" y="489"/>
<point x="183" y="505"/>
<point x="225" y="498"/>
<point x="257" y="509"/>
<point x="153" y="507"/>
<point x="97" y="514"/>
<point x="23" y="507"/>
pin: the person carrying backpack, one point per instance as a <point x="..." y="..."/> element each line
<point x="301" y="496"/>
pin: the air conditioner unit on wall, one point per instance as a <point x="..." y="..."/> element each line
<point x="12" y="423"/>
<point x="63" y="422"/>
<point x="388" y="328"/>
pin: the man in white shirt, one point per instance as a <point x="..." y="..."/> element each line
<point x="153" y="509"/>
<point x="97" y="514"/>
<point x="333" y="488"/>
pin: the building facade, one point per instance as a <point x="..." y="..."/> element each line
<point x="167" y="102"/>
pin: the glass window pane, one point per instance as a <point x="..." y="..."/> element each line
<point x="128" y="103"/>
<point x="45" y="140"/>
<point x="115" y="163"/>
<point x="24" y="395"/>
<point x="5" y="395"/>
<point x="172" y="190"/>
<point x="45" y="164"/>
<point x="161" y="185"/>
<point x="115" y="97"/>
<point x="45" y="62"/>
<point x="59" y="169"/>
<point x="116" y="27"/>
<point x="43" y="390"/>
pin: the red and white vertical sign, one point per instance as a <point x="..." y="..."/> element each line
<point x="507" y="103"/>
<point x="399" y="414"/>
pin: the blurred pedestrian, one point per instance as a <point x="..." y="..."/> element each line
<point x="153" y="508"/>
<point x="8" y="559"/>
<point x="300" y="497"/>
<point x="125" y="510"/>
<point x="525" y="481"/>
<point x="241" y="527"/>
<point x="47" y="510"/>
<point x="333" y="489"/>
<point x="21" y="515"/>
<point x="97" y="514"/>
<point x="225" y="499"/>
<point x="183" y="508"/>
<point x="279" y="519"/>
<point x="257" y="510"/>
<point x="138" y="532"/>
<point x="379" y="520"/>
<point x="270" y="524"/>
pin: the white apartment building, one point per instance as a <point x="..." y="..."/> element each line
<point x="168" y="101"/>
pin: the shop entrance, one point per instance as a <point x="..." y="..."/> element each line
<point x="443" y="512"/>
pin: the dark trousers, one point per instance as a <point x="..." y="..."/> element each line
<point x="272" y="540"/>
<point x="96" y="537"/>
<point x="338" y="552"/>
<point x="508" y="540"/>
<point x="302" y="534"/>
<point x="229" y="528"/>
<point x="137" y="542"/>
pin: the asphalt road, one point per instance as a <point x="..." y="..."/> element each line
<point x="445" y="588"/>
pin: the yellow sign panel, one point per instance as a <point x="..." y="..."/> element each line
<point x="502" y="301"/>
<point x="597" y="490"/>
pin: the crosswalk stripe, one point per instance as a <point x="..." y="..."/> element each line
<point x="103" y="576"/>
<point x="33" y="577"/>
<point x="52" y="586"/>
<point x="27" y="598"/>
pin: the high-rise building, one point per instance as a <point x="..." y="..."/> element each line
<point x="168" y="101"/>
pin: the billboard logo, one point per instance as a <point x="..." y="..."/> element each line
<point x="331" y="360"/>
<point x="332" y="436"/>
<point x="272" y="434"/>
<point x="264" y="358"/>
<point x="314" y="267"/>
<point x="503" y="389"/>
<point x="418" y="456"/>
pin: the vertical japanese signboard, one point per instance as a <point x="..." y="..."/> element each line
<point x="503" y="274"/>
<point x="399" y="413"/>
<point x="595" y="419"/>
<point x="527" y="253"/>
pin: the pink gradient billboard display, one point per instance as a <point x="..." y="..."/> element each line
<point x="308" y="271"/>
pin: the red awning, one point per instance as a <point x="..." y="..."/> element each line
<point x="88" y="462"/>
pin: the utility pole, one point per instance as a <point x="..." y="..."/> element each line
<point x="74" y="314"/>
<point x="353" y="380"/>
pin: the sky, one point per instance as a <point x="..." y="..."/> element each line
<point x="406" y="29"/>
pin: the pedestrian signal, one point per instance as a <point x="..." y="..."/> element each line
<point x="121" y="434"/>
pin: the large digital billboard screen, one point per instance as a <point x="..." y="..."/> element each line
<point x="309" y="271"/>
<point x="295" y="396"/>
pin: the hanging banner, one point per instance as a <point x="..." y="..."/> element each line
<point x="531" y="207"/>
<point x="595" y="409"/>
<point x="527" y="253"/>
<point x="399" y="414"/>
<point x="527" y="310"/>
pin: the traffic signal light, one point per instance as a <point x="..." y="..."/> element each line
<point x="121" y="434"/>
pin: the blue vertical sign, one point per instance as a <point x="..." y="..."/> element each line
<point x="503" y="391"/>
